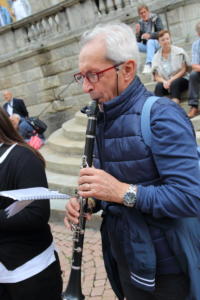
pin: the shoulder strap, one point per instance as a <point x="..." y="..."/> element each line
<point x="145" y="119"/>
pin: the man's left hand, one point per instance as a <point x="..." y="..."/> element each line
<point x="101" y="185"/>
<point x="146" y="36"/>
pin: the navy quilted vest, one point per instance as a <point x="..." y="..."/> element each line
<point x="120" y="149"/>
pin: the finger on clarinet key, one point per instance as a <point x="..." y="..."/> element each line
<point x="67" y="224"/>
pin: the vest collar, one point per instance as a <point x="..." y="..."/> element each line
<point x="122" y="103"/>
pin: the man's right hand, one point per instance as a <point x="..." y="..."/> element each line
<point x="137" y="28"/>
<point x="72" y="212"/>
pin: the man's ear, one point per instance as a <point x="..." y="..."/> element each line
<point x="129" y="70"/>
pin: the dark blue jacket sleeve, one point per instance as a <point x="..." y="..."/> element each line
<point x="174" y="151"/>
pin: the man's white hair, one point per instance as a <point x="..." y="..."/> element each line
<point x="16" y="116"/>
<point x="120" y="41"/>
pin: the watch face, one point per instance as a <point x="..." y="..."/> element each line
<point x="129" y="199"/>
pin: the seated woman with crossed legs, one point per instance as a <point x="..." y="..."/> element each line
<point x="169" y="68"/>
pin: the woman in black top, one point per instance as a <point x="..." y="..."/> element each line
<point x="29" y="265"/>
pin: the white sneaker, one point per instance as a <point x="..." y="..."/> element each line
<point x="147" y="69"/>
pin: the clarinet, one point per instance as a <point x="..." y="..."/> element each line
<point x="74" y="290"/>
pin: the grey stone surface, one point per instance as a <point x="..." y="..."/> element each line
<point x="62" y="65"/>
<point x="41" y="51"/>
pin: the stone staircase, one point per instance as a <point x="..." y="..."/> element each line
<point x="64" y="149"/>
<point x="62" y="153"/>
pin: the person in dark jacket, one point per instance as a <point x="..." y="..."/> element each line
<point x="29" y="264"/>
<point x="22" y="126"/>
<point x="149" y="195"/>
<point x="147" y="30"/>
<point x="14" y="105"/>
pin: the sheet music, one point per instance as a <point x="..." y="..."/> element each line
<point x="26" y="196"/>
<point x="36" y="193"/>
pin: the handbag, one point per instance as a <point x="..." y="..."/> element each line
<point x="38" y="125"/>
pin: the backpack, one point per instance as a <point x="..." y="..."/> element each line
<point x="145" y="123"/>
<point x="37" y="124"/>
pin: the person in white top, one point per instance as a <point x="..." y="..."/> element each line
<point x="21" y="9"/>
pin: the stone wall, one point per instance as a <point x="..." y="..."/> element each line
<point x="38" y="56"/>
<point x="44" y="4"/>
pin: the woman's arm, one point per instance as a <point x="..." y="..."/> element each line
<point x="180" y="73"/>
<point x="196" y="68"/>
<point x="158" y="77"/>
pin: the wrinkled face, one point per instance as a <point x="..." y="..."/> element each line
<point x="7" y="96"/>
<point x="144" y="14"/>
<point x="165" y="41"/>
<point x="92" y="59"/>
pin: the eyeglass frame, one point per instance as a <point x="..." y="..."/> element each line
<point x="95" y="73"/>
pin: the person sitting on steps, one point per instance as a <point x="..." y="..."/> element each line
<point x="170" y="68"/>
<point x="22" y="126"/>
<point x="147" y="33"/>
<point x="194" y="81"/>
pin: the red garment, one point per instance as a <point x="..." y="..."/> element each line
<point x="36" y="142"/>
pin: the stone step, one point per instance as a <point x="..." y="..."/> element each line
<point x="61" y="163"/>
<point x="58" y="205"/>
<point x="59" y="143"/>
<point x="80" y="118"/>
<point x="146" y="78"/>
<point x="64" y="183"/>
<point x="73" y="130"/>
<point x="150" y="86"/>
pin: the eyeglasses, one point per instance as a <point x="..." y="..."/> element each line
<point x="92" y="77"/>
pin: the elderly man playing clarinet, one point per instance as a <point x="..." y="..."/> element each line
<point x="149" y="195"/>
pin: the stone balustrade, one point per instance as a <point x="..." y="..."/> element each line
<point x="69" y="16"/>
<point x="46" y="25"/>
<point x="38" y="55"/>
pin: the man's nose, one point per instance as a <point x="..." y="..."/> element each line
<point x="87" y="86"/>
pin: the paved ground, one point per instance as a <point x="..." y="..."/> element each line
<point x="95" y="285"/>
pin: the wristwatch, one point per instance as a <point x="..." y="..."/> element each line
<point x="129" y="198"/>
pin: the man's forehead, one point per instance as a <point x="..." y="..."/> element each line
<point x="7" y="94"/>
<point x="143" y="10"/>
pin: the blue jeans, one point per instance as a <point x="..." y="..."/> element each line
<point x="150" y="48"/>
<point x="194" y="89"/>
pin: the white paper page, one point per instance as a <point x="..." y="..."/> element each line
<point x="35" y="193"/>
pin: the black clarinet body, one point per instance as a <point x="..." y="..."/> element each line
<point x="73" y="290"/>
